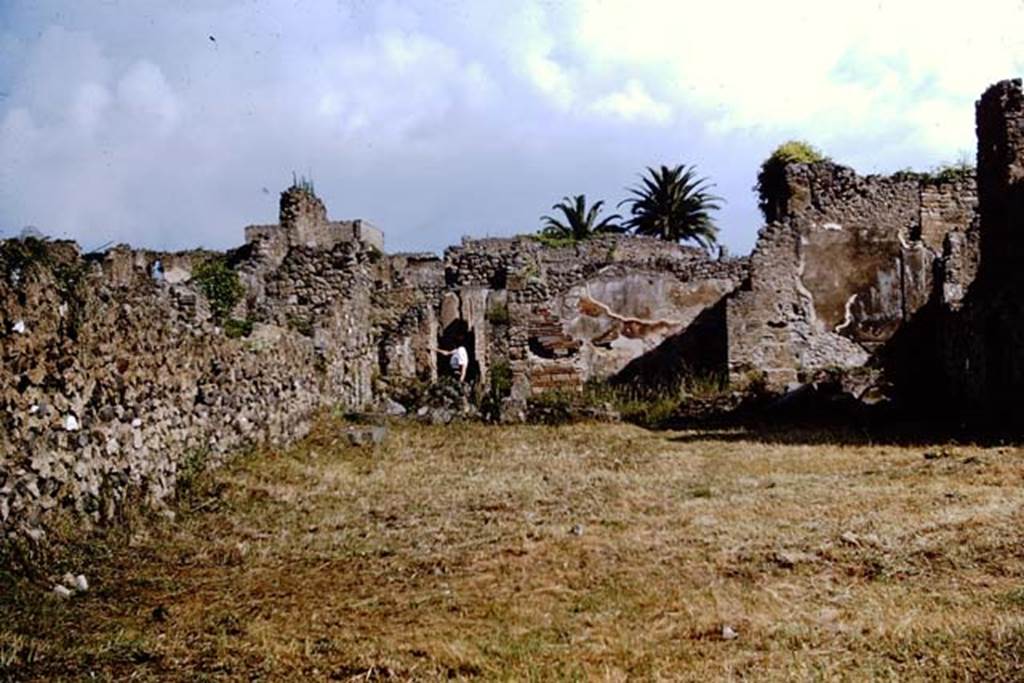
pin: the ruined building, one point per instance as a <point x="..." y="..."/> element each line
<point x="303" y="222"/>
<point x="976" y="371"/>
<point x="122" y="370"/>
<point x="847" y="261"/>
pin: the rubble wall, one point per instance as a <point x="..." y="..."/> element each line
<point x="980" y="337"/>
<point x="850" y="260"/>
<point x="114" y="380"/>
<point x="559" y="317"/>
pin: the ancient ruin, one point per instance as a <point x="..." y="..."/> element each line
<point x="847" y="261"/>
<point x="124" y="369"/>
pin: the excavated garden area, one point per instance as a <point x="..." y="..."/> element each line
<point x="589" y="551"/>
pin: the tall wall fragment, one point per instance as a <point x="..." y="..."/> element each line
<point x="849" y="261"/>
<point x="980" y="336"/>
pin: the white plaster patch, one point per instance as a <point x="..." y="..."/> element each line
<point x="848" y="316"/>
<point x="19" y="327"/>
<point x="832" y="226"/>
<point x="176" y="275"/>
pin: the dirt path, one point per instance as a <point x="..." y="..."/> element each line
<point x="549" y="553"/>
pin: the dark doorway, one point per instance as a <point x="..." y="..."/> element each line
<point x="457" y="333"/>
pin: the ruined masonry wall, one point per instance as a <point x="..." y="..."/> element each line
<point x="981" y="332"/>
<point x="558" y="317"/>
<point x="850" y="261"/>
<point x="113" y="382"/>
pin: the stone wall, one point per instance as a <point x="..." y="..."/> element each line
<point x="559" y="317"/>
<point x="850" y="260"/>
<point x="115" y="378"/>
<point x="980" y="333"/>
<point x="303" y="222"/>
<point x="116" y="374"/>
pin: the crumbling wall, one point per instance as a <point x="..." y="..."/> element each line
<point x="559" y="317"/>
<point x="114" y="379"/>
<point x="406" y="295"/>
<point x="303" y="222"/>
<point x="980" y="335"/>
<point x="850" y="260"/>
<point x="949" y="203"/>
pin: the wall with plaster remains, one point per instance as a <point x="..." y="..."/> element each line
<point x="848" y="262"/>
<point x="114" y="375"/>
<point x="573" y="314"/>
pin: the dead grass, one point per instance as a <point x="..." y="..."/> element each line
<point x="558" y="553"/>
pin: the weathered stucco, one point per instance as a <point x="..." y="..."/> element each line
<point x="575" y="314"/>
<point x="843" y="268"/>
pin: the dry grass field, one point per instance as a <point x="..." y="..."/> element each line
<point x="582" y="552"/>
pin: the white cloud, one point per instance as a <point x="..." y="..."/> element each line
<point x="126" y="121"/>
<point x="551" y="79"/>
<point x="633" y="103"/>
<point x="145" y="95"/>
<point x="832" y="70"/>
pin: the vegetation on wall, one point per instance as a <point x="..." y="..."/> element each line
<point x="18" y="254"/>
<point x="955" y="171"/>
<point x="236" y="328"/>
<point x="771" y="178"/>
<point x="674" y="204"/>
<point x="31" y="257"/>
<point x="219" y="284"/>
<point x="303" y="183"/>
<point x="498" y="314"/>
<point x="500" y="388"/>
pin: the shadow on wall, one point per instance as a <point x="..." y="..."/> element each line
<point x="911" y="363"/>
<point x="701" y="350"/>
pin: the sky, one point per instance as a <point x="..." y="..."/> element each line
<point x="171" y="125"/>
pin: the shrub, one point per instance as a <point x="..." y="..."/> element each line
<point x="219" y="284"/>
<point x="501" y="379"/>
<point x="18" y="254"/>
<point x="771" y="178"/>
<point x="301" y="325"/>
<point x="498" y="314"/>
<point x="500" y="388"/>
<point x="556" y="406"/>
<point x="236" y="329"/>
<point x="952" y="172"/>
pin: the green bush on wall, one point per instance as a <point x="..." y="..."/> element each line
<point x="771" y="179"/>
<point x="219" y="284"/>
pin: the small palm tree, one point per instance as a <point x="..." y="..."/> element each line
<point x="579" y="223"/>
<point x="674" y="204"/>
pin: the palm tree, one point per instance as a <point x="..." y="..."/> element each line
<point x="674" y="204"/>
<point x="580" y="223"/>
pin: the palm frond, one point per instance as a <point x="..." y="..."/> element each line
<point x="675" y="204"/>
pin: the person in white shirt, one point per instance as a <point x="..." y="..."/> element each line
<point x="459" y="360"/>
